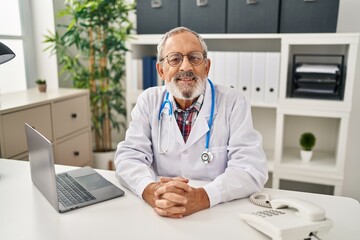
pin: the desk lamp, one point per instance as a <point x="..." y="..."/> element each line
<point x="5" y="53"/>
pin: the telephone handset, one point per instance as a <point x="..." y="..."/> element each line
<point x="288" y="219"/>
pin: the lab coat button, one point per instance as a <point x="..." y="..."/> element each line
<point x="185" y="152"/>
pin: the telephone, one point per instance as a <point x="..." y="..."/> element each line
<point x="288" y="219"/>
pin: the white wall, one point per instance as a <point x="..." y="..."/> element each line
<point x="43" y="20"/>
<point x="349" y="21"/>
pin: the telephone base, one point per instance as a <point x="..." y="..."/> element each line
<point x="286" y="224"/>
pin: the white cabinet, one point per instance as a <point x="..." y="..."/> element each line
<point x="62" y="115"/>
<point x="282" y="121"/>
<point x="327" y="119"/>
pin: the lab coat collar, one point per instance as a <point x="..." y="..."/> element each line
<point x="172" y="131"/>
<point x="200" y="127"/>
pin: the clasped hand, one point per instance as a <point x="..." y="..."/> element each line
<point x="173" y="197"/>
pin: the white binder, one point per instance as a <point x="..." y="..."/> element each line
<point x="136" y="74"/>
<point x="272" y="77"/>
<point x="211" y="56"/>
<point x="245" y="72"/>
<point x="231" y="69"/>
<point x="258" y="76"/>
<point x="220" y="63"/>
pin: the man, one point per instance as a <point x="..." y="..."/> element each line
<point x="171" y="127"/>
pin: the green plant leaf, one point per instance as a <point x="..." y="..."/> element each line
<point x="307" y="141"/>
<point x="108" y="22"/>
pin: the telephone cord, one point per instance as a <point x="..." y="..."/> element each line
<point x="260" y="199"/>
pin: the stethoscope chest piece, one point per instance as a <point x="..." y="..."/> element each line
<point x="206" y="156"/>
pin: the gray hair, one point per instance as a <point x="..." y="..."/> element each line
<point x="175" y="31"/>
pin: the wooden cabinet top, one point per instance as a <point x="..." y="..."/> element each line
<point x="32" y="97"/>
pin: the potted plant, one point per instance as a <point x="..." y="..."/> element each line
<point x="307" y="142"/>
<point x="41" y="85"/>
<point x="91" y="51"/>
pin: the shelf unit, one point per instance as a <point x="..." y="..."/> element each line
<point x="281" y="123"/>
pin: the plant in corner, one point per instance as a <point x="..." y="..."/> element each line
<point x="307" y="142"/>
<point x="91" y="51"/>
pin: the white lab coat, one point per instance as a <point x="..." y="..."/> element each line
<point x="238" y="169"/>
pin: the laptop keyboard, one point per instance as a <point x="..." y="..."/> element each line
<point x="70" y="192"/>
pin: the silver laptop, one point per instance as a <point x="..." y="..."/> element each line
<point x="69" y="190"/>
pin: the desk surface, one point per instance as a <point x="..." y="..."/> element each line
<point x="26" y="214"/>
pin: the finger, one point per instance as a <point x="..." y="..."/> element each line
<point x="164" y="203"/>
<point x="174" y="198"/>
<point x="168" y="189"/>
<point x="177" y="184"/>
<point x="175" y="190"/>
<point x="175" y="212"/>
<point x="174" y="187"/>
<point x="167" y="179"/>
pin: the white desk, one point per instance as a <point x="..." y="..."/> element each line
<point x="26" y="214"/>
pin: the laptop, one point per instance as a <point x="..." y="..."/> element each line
<point x="68" y="190"/>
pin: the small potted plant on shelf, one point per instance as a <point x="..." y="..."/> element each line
<point x="41" y="85"/>
<point x="307" y="143"/>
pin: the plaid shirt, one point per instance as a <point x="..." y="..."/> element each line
<point x="186" y="118"/>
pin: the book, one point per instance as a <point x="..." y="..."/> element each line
<point x="149" y="72"/>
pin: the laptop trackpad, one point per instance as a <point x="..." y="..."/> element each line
<point x="93" y="181"/>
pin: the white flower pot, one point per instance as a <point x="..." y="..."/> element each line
<point x="306" y="155"/>
<point x="104" y="160"/>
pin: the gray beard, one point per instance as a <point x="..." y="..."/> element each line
<point x="186" y="92"/>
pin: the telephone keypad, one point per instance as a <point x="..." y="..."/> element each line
<point x="268" y="213"/>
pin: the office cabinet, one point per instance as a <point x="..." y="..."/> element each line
<point x="157" y="16"/>
<point x="308" y="16"/>
<point x="61" y="115"/>
<point x="282" y="120"/>
<point x="238" y="16"/>
<point x="203" y="16"/>
<point x="258" y="16"/>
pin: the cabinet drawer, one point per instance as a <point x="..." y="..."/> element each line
<point x="299" y="16"/>
<point x="153" y="18"/>
<point x="70" y="115"/>
<point x="244" y="17"/>
<point x="76" y="151"/>
<point x="199" y="15"/>
<point x="14" y="130"/>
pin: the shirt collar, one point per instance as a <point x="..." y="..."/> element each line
<point x="197" y="104"/>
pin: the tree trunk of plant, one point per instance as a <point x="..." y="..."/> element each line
<point x="94" y="110"/>
<point x="105" y="109"/>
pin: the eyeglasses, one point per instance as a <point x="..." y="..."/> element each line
<point x="175" y="59"/>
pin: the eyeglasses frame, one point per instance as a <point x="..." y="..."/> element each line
<point x="183" y="55"/>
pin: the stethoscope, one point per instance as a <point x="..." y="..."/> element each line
<point x="206" y="156"/>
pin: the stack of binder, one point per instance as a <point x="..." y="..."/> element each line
<point x="318" y="80"/>
<point x="255" y="74"/>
